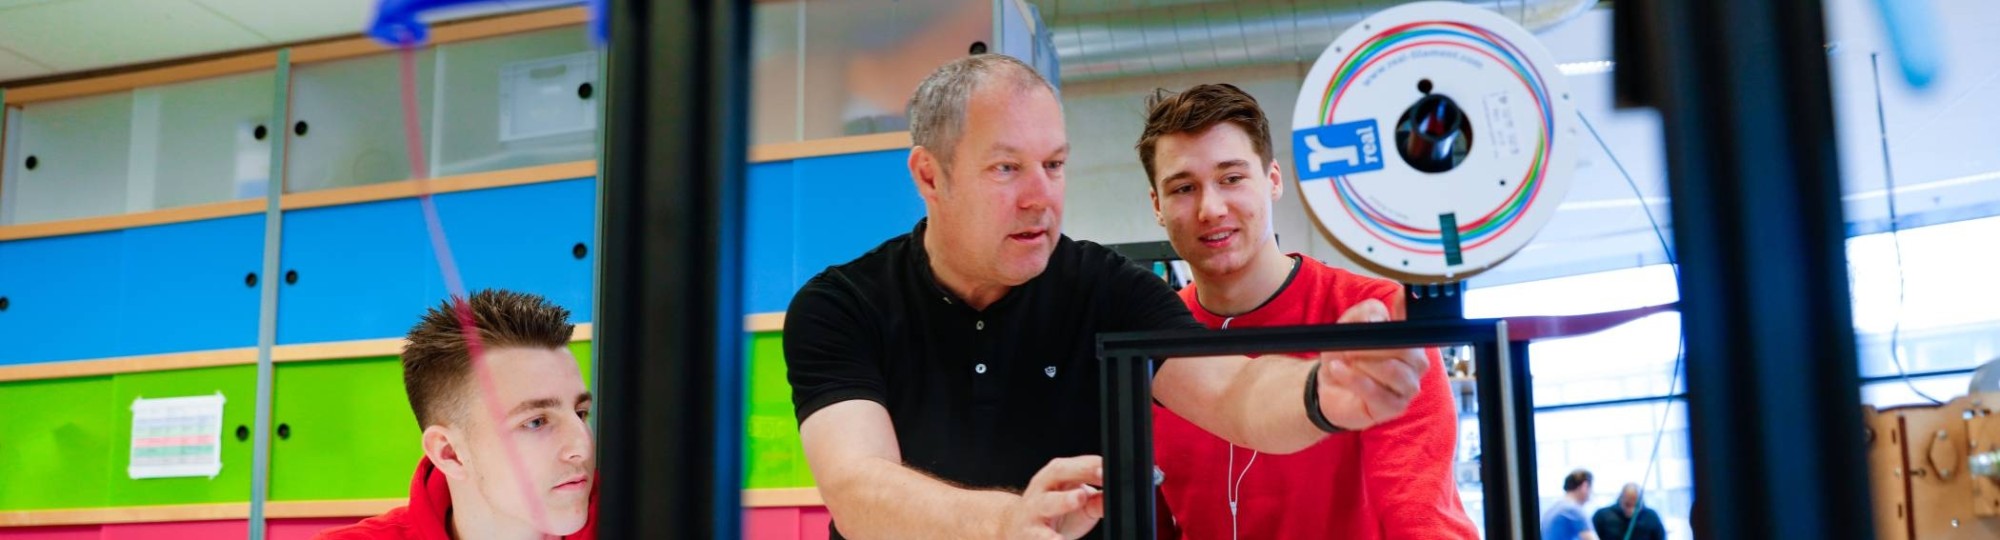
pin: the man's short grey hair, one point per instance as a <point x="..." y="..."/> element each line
<point x="937" y="110"/>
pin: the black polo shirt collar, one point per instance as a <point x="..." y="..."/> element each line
<point x="920" y="259"/>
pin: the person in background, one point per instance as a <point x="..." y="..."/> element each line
<point x="1213" y="182"/>
<point x="1565" y="519"/>
<point x="469" y="483"/>
<point x="1627" y="520"/>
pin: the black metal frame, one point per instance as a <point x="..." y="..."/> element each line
<point x="1426" y="301"/>
<point x="1744" y="94"/>
<point x="1773" y="396"/>
<point x="1506" y="415"/>
<point x="670" y="327"/>
<point x="1145" y="252"/>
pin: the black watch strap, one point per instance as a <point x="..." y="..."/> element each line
<point x="1313" y="412"/>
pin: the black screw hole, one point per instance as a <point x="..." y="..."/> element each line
<point x="261" y="132"/>
<point x="579" y="251"/>
<point x="250" y="279"/>
<point x="1503" y="181"/>
<point x="299" y="128"/>
<point x="291" y="277"/>
<point x="284" y="431"/>
<point x="583" y="91"/>
<point x="1371" y="249"/>
<point x="3" y="303"/>
<point x="1424" y="86"/>
<point x="33" y="162"/>
<point x="1406" y="262"/>
<point x="242" y="433"/>
<point x="978" y="47"/>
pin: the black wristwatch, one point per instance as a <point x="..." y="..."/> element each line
<point x="1313" y="413"/>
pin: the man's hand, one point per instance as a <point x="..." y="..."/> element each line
<point x="1359" y="389"/>
<point x="1059" y="502"/>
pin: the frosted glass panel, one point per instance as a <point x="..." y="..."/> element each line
<point x="774" y="80"/>
<point x="517" y="101"/>
<point x="351" y="113"/>
<point x="863" y="58"/>
<point x="68" y="160"/>
<point x="199" y="142"/>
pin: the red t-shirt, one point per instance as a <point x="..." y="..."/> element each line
<point x="1393" y="480"/>
<point x="424" y="518"/>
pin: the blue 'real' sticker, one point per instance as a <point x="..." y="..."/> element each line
<point x="1337" y="150"/>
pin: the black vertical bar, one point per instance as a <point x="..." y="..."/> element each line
<point x="1128" y="433"/>
<point x="1523" y="396"/>
<point x="1495" y="472"/>
<point x="670" y="336"/>
<point x="1757" y="218"/>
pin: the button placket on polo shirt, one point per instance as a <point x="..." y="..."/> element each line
<point x="984" y="376"/>
<point x="979" y="344"/>
<point x="988" y="383"/>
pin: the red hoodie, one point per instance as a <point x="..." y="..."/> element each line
<point x="424" y="518"/>
<point x="1393" y="480"/>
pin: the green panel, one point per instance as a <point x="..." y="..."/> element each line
<point x="581" y="350"/>
<point x="352" y="433"/>
<point x="238" y="385"/>
<point x="55" y="443"/>
<point x="773" y="457"/>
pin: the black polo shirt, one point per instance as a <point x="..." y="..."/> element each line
<point x="982" y="399"/>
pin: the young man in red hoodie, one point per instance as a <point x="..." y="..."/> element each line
<point x="532" y="474"/>
<point x="1207" y="154"/>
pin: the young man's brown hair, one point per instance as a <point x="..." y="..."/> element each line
<point x="1576" y="479"/>
<point x="437" y="367"/>
<point x="1198" y="109"/>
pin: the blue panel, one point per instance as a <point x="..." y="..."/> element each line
<point x="363" y="272"/>
<point x="60" y="292"/>
<point x="183" y="285"/>
<point x="767" y="252"/>
<point x="846" y="205"/>
<point x="1016" y="38"/>
<point x="522" y="238"/>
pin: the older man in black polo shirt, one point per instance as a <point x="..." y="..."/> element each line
<point x="946" y="381"/>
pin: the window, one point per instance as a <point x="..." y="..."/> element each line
<point x="1950" y="324"/>
<point x="1605" y="400"/>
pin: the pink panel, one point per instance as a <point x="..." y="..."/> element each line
<point x="777" y="523"/>
<point x="813" y="521"/>
<point x="303" y="529"/>
<point x="79" y="532"/>
<point x="186" y="530"/>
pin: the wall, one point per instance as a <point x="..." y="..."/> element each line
<point x="1107" y="199"/>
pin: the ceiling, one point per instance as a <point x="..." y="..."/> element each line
<point x="1111" y="39"/>
<point x="42" y="38"/>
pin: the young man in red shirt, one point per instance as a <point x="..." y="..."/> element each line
<point x="1207" y="154"/>
<point x="531" y="475"/>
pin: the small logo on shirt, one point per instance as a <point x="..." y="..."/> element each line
<point x="1050" y="371"/>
